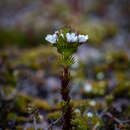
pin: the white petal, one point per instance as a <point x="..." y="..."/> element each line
<point x="86" y="37"/>
<point x="83" y="38"/>
<point x="68" y="37"/>
<point x="51" y="38"/>
<point x="71" y="37"/>
<point x="54" y="36"/>
<point x="48" y="37"/>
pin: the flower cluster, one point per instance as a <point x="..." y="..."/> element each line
<point x="69" y="37"/>
<point x="61" y="40"/>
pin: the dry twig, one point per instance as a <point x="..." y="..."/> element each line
<point x="55" y="122"/>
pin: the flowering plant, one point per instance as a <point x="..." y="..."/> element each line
<point x="67" y="42"/>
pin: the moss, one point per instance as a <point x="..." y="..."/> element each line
<point x="109" y="99"/>
<point x="80" y="123"/>
<point x="21" y="119"/>
<point x="40" y="58"/>
<point x="18" y="127"/>
<point x="10" y="79"/>
<point x="34" y="66"/>
<point x="103" y="68"/>
<point x="21" y="104"/>
<point x="78" y="73"/>
<point x="98" y="89"/>
<point x="57" y="106"/>
<point x="94" y="121"/>
<point x="54" y="115"/>
<point x="123" y="84"/>
<point x="18" y="37"/>
<point x="82" y="105"/>
<point x="96" y="33"/>
<point x="30" y="129"/>
<point x="39" y="103"/>
<point x="117" y="60"/>
<point x="11" y="116"/>
<point x="8" y="90"/>
<point x="122" y="89"/>
<point x="18" y="109"/>
<point x="120" y="76"/>
<point x="111" y="29"/>
<point x="23" y="101"/>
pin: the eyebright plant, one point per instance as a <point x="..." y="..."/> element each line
<point x="67" y="42"/>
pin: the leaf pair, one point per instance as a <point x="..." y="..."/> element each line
<point x="66" y="61"/>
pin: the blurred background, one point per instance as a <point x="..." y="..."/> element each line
<point x="29" y="73"/>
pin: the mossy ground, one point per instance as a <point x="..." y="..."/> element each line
<point x="14" y="102"/>
<point x="29" y="67"/>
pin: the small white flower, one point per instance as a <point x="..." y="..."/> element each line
<point x="71" y="37"/>
<point x="90" y="114"/>
<point x="92" y="103"/>
<point x="88" y="87"/>
<point x="51" y="38"/>
<point x="82" y="38"/>
<point x="77" y="111"/>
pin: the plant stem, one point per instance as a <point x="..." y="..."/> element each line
<point x="65" y="90"/>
